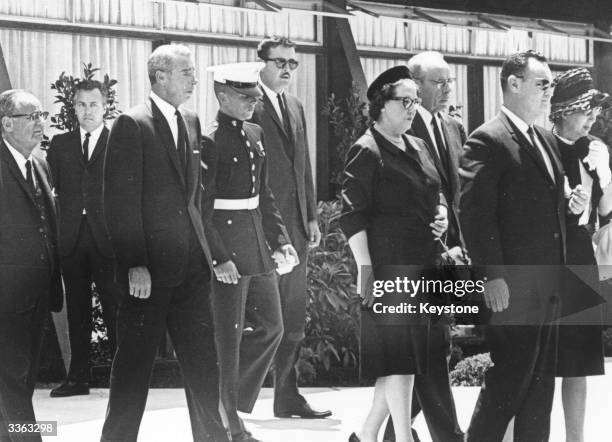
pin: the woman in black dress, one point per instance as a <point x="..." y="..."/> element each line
<point x="575" y="105"/>
<point x="392" y="212"/>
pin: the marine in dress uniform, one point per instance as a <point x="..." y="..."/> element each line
<point x="244" y="228"/>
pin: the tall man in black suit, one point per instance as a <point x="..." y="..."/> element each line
<point x="152" y="197"/>
<point x="281" y="116"/>
<point x="445" y="137"/>
<point x="30" y="282"/>
<point x="513" y="213"/>
<point x="76" y="159"/>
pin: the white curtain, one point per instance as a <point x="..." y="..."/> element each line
<point x="372" y="67"/>
<point x="55" y="9"/>
<point x="425" y="36"/>
<point x="561" y="48"/>
<point x="500" y="43"/>
<point x="35" y="59"/>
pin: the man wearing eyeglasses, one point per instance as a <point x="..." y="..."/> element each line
<point x="281" y="115"/>
<point x="30" y="282"/>
<point x="513" y="219"/>
<point x="76" y="159"/>
<point x="444" y="137"/>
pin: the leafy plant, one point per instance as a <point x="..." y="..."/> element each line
<point x="65" y="86"/>
<point x="332" y="318"/>
<point x="100" y="352"/>
<point x="349" y="120"/>
<point x="470" y="371"/>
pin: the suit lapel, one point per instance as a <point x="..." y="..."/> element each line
<point x="99" y="147"/>
<point x="77" y="148"/>
<point x="7" y="157"/>
<point x="525" y="144"/>
<point x="419" y="129"/>
<point x="165" y="134"/>
<point x="453" y="156"/>
<point x="269" y="108"/>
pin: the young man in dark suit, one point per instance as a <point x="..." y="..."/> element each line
<point x="30" y="281"/>
<point x="445" y="138"/>
<point x="152" y="200"/>
<point x="513" y="214"/>
<point x="76" y="159"/>
<point x="281" y="116"/>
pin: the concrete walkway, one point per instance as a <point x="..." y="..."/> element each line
<point x="80" y="418"/>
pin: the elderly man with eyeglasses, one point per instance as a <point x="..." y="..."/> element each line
<point x="30" y="283"/>
<point x="281" y="116"/>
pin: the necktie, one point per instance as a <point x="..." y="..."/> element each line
<point x="29" y="176"/>
<point x="181" y="139"/>
<point x="440" y="144"/>
<point x="284" y="113"/>
<point x="86" y="147"/>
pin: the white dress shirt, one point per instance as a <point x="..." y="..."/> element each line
<point x="94" y="135"/>
<point x="273" y="97"/>
<point x="168" y="111"/>
<point x="427" y="119"/>
<point x="524" y="127"/>
<point x="21" y="161"/>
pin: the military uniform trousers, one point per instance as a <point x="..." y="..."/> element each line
<point x="85" y="264"/>
<point x="245" y="356"/>
<point x="185" y="311"/>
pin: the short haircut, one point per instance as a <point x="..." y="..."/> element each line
<point x="90" y="85"/>
<point x="421" y="61"/>
<point x="516" y="64"/>
<point x="162" y="58"/>
<point x="263" y="49"/>
<point x="8" y="99"/>
<point x="380" y="97"/>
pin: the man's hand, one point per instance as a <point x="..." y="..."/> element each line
<point x="496" y="294"/>
<point x="578" y="200"/>
<point x="289" y="254"/>
<point x="227" y="273"/>
<point x="314" y="234"/>
<point x="440" y="224"/>
<point x="140" y="282"/>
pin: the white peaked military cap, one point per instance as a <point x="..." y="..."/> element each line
<point x="242" y="77"/>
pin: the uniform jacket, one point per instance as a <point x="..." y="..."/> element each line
<point x="28" y="256"/>
<point x="151" y="206"/>
<point x="237" y="169"/>
<point x="79" y="186"/>
<point x="287" y="155"/>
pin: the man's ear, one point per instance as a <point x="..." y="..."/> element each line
<point x="513" y="82"/>
<point x="7" y="124"/>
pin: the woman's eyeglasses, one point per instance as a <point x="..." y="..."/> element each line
<point x="407" y="102"/>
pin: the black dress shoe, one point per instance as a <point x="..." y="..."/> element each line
<point x="70" y="388"/>
<point x="305" y="412"/>
<point x="353" y="438"/>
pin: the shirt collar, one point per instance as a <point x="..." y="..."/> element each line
<point x="269" y="92"/>
<point x="518" y="122"/>
<point x="19" y="158"/>
<point x="425" y="114"/>
<point x="166" y="108"/>
<point x="94" y="134"/>
<point x="226" y="120"/>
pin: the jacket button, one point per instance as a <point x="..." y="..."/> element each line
<point x="42" y="217"/>
<point x="41" y="230"/>
<point x="235" y="160"/>
<point x="229" y="221"/>
<point x="42" y="257"/>
<point x="180" y="212"/>
<point x="214" y="262"/>
<point x="556" y="235"/>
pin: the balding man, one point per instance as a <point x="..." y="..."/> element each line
<point x="29" y="274"/>
<point x="445" y="137"/>
<point x="152" y="201"/>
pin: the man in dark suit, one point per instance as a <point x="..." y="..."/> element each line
<point x="152" y="197"/>
<point x="243" y="230"/>
<point x="281" y="116"/>
<point x="76" y="159"/>
<point x="513" y="214"/>
<point x="445" y="138"/>
<point x="30" y="282"/>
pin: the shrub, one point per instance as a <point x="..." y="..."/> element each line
<point x="470" y="371"/>
<point x="332" y="315"/>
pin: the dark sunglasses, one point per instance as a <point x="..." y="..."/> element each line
<point x="282" y="62"/>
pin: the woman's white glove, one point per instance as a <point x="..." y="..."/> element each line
<point x="598" y="159"/>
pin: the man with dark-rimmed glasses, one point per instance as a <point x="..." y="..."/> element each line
<point x="281" y="115"/>
<point x="30" y="283"/>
